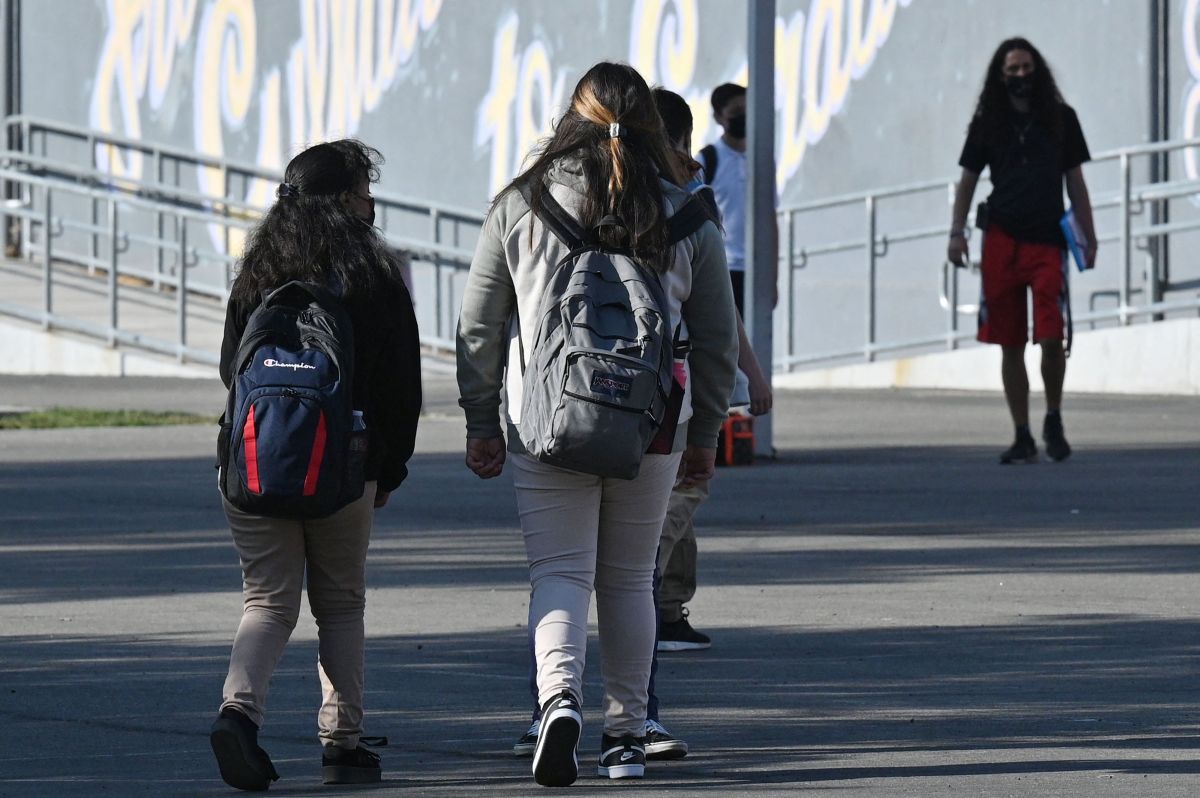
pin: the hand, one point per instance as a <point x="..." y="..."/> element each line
<point x="485" y="456"/>
<point x="1089" y="255"/>
<point x="956" y="251"/>
<point x="381" y="498"/>
<point x="761" y="398"/>
<point x="697" y="465"/>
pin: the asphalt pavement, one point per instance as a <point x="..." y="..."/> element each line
<point x="893" y="613"/>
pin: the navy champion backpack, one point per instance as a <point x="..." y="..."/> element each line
<point x="292" y="445"/>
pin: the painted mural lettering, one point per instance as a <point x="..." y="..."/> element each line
<point x="136" y="61"/>
<point x="818" y="57"/>
<point x="349" y="53"/>
<point x="1191" y="112"/>
<point x="519" y="107"/>
<point x="816" y="61"/>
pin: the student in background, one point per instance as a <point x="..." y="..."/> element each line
<point x="1032" y="142"/>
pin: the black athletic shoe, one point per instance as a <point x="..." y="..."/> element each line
<point x="622" y="757"/>
<point x="1057" y="447"/>
<point x="1023" y="450"/>
<point x="661" y="744"/>
<point x="680" y="636"/>
<point x="528" y="741"/>
<point x="554" y="762"/>
<point x="234" y="740"/>
<point x="350" y="765"/>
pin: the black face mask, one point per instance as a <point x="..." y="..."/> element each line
<point x="735" y="126"/>
<point x="1019" y="86"/>
<point x="369" y="221"/>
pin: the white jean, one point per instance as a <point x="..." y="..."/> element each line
<point x="583" y="531"/>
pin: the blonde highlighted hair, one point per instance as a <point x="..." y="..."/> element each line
<point x="621" y="172"/>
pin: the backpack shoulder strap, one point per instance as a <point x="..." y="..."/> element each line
<point x="691" y="216"/>
<point x="554" y="216"/>
<point x="709" y="156"/>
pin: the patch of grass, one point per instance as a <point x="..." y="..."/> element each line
<point x="62" y="417"/>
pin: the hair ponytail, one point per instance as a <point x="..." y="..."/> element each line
<point x="613" y="128"/>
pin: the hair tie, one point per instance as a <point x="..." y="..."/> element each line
<point x="615" y="130"/>
<point x="287" y="190"/>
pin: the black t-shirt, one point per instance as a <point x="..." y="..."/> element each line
<point x="1028" y="163"/>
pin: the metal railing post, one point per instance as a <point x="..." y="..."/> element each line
<point x="789" y="285"/>
<point x="113" y="318"/>
<point x="225" y="189"/>
<point x="439" y="293"/>
<point x="952" y="342"/>
<point x="27" y="196"/>
<point x="1126" y="238"/>
<point x="47" y="264"/>
<point x="181" y="289"/>
<point x="160" y="225"/>
<point x="869" y="350"/>
<point x="94" y="238"/>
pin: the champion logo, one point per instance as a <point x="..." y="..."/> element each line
<point x="272" y="363"/>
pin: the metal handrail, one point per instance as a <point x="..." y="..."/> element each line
<point x="183" y="207"/>
<point x="1130" y="200"/>
<point x="31" y="124"/>
<point x="179" y="208"/>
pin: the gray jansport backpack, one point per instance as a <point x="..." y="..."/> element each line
<point x="599" y="373"/>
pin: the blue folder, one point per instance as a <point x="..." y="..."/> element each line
<point x="1076" y="240"/>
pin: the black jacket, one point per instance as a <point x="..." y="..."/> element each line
<point x="387" y="374"/>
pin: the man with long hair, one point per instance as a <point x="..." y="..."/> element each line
<point x="1032" y="142"/>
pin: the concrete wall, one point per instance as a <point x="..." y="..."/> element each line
<point x="1159" y="358"/>
<point x="455" y="92"/>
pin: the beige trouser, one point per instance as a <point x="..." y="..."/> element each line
<point x="677" y="551"/>
<point x="275" y="553"/>
<point x="581" y="530"/>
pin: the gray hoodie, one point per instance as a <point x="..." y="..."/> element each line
<point x="505" y="285"/>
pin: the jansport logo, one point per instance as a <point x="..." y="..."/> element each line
<point x="272" y="363"/>
<point x="611" y="384"/>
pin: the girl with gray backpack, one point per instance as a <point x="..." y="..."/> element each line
<point x="598" y="309"/>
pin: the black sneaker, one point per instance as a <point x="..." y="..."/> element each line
<point x="661" y="744"/>
<point x="1057" y="448"/>
<point x="234" y="740"/>
<point x="622" y="757"/>
<point x="528" y="741"/>
<point x="680" y="636"/>
<point x="1023" y="450"/>
<point x="352" y="765"/>
<point x="554" y="762"/>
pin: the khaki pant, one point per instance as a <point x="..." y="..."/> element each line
<point x="583" y="531"/>
<point x="275" y="553"/>
<point x="677" y="551"/>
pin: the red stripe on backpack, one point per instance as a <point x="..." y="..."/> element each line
<point x="250" y="442"/>
<point x="318" y="454"/>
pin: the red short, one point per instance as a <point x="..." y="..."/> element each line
<point x="1009" y="267"/>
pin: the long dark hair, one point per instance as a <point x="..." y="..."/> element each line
<point x="310" y="235"/>
<point x="621" y="173"/>
<point x="1045" y="102"/>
